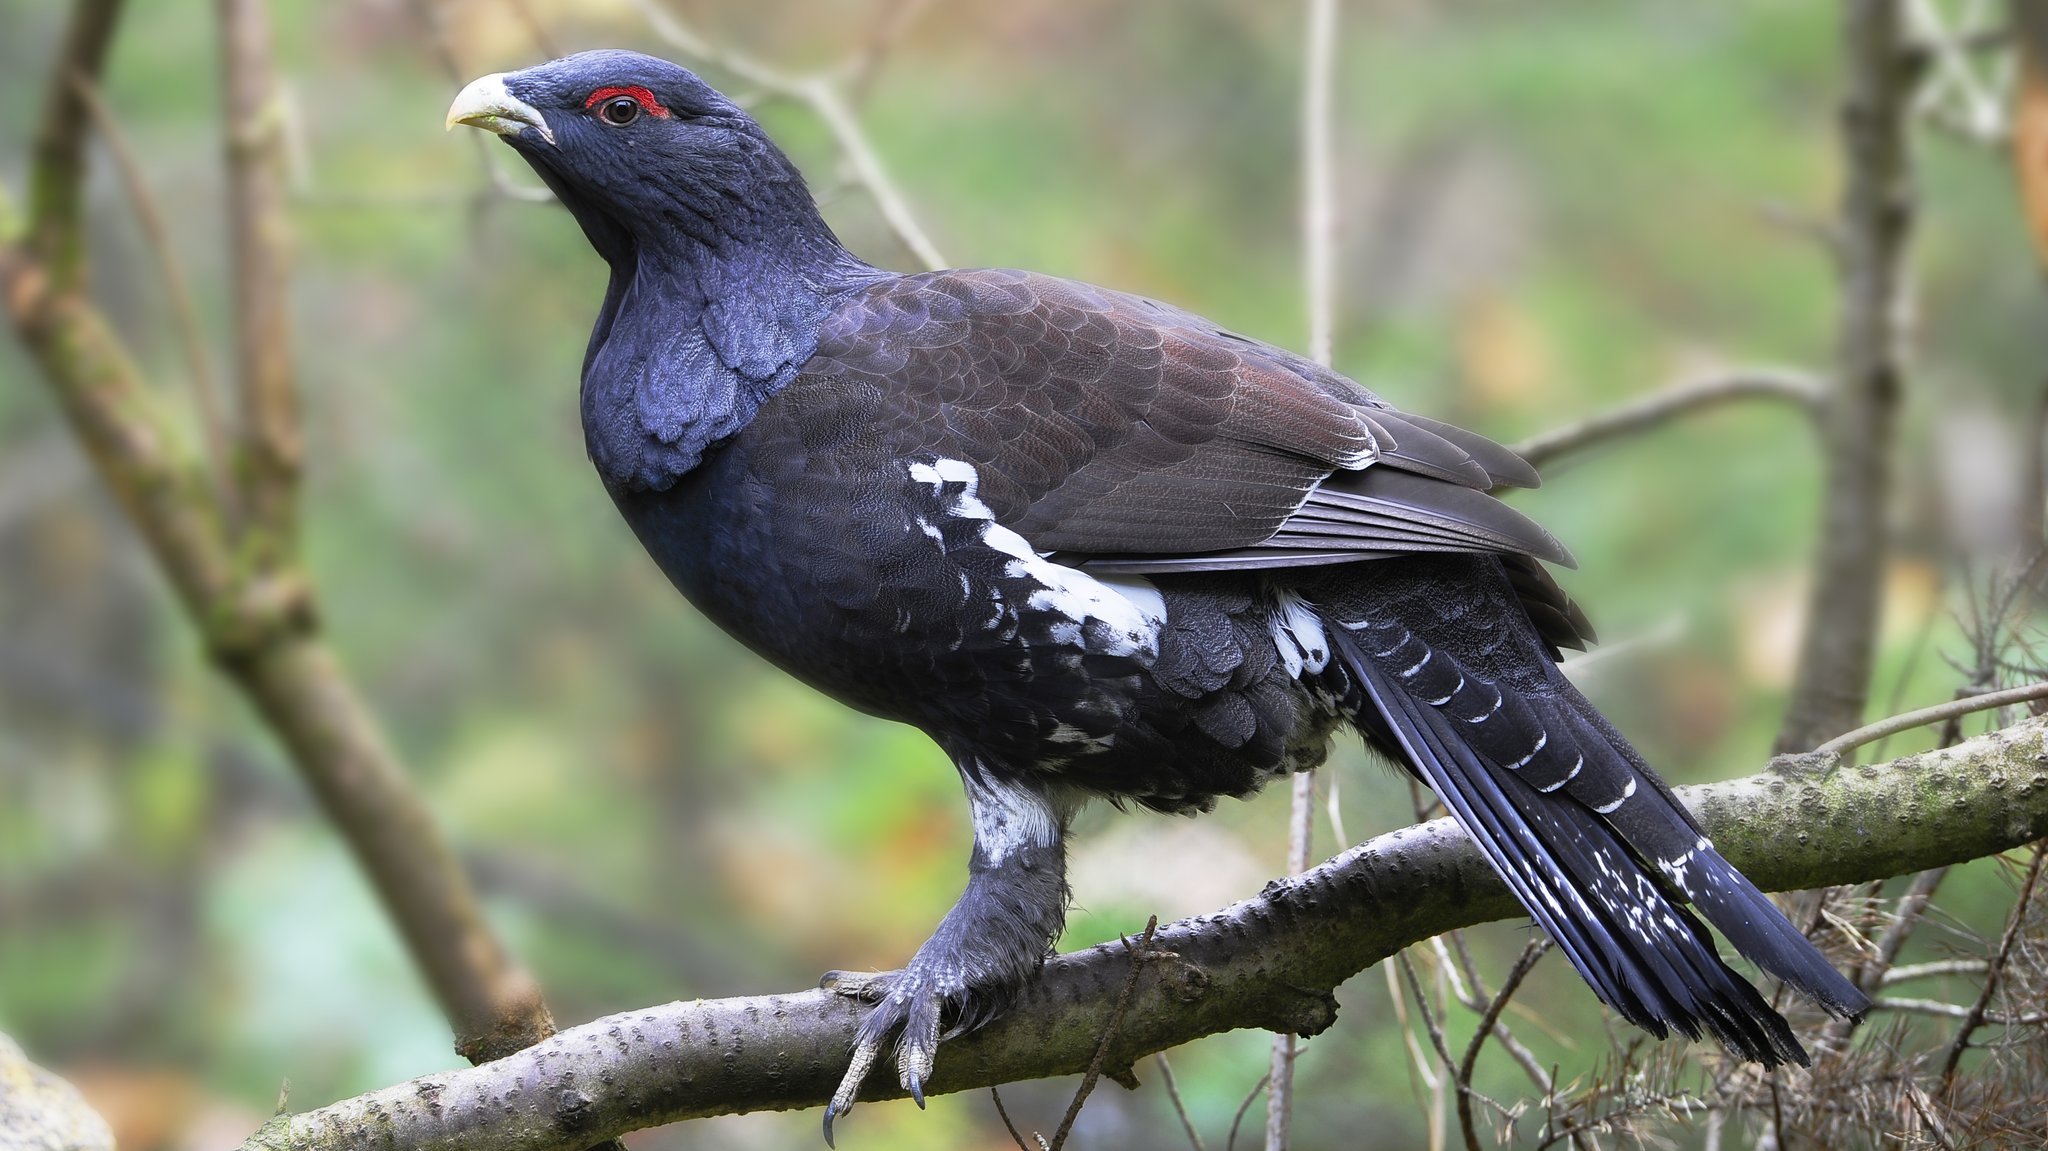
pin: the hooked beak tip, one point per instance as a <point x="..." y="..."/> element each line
<point x="486" y="103"/>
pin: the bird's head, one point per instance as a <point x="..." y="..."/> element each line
<point x="643" y="152"/>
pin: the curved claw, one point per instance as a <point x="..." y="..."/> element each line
<point x="864" y="1053"/>
<point x="917" y="1090"/>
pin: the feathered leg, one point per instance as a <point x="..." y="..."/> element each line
<point x="993" y="939"/>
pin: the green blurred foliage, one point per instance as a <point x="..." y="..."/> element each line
<point x="1546" y="209"/>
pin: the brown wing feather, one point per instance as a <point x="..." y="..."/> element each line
<point x="1129" y="434"/>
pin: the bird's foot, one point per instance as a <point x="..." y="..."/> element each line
<point x="917" y="1000"/>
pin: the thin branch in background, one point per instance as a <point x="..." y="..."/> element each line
<point x="1975" y="1018"/>
<point x="269" y="447"/>
<point x="1939" y="713"/>
<point x="536" y="30"/>
<point x="56" y="236"/>
<point x="1869" y="975"/>
<point x="1524" y="964"/>
<point x="1801" y="389"/>
<point x="177" y="290"/>
<point x="1180" y="1107"/>
<point x="1138" y="954"/>
<point x="501" y="183"/>
<point x="1319" y="256"/>
<point x="1237" y="1120"/>
<point x="1943" y="1009"/>
<point x="1436" y="1034"/>
<point x="859" y="71"/>
<point x="819" y="92"/>
<point x="1423" y="1080"/>
<point x="1663" y="634"/>
<point x="1924" y="1108"/>
<point x="996" y="1094"/>
<point x="1934" y="969"/>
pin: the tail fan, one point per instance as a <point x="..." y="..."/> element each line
<point x="1525" y="777"/>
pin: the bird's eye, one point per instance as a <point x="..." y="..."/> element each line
<point x="621" y="104"/>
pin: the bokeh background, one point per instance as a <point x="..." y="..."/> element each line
<point x="1544" y="210"/>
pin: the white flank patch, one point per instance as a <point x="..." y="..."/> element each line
<point x="938" y="473"/>
<point x="1299" y="636"/>
<point x="1130" y="607"/>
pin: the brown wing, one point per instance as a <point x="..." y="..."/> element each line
<point x="1136" y="437"/>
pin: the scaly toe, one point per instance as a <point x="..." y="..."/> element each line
<point x="863" y="986"/>
<point x="864" y="1054"/>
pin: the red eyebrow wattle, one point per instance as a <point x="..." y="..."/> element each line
<point x="646" y="100"/>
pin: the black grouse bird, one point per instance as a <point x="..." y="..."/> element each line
<point x="1095" y="545"/>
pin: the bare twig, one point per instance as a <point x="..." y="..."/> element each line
<point x="536" y="30"/>
<point x="1139" y="955"/>
<point x="1237" y="1121"/>
<point x="56" y="239"/>
<point x="1524" y="964"/>
<point x="1943" y="1009"/>
<point x="252" y="123"/>
<point x="1941" y="712"/>
<point x="1832" y="684"/>
<point x="184" y="313"/>
<point x="1318" y="243"/>
<point x="1976" y="1016"/>
<point x="1935" y="969"/>
<point x="1924" y="1108"/>
<point x="1869" y="975"/>
<point x="1429" y="1024"/>
<point x="819" y="92"/>
<point x="1801" y="389"/>
<point x="501" y="182"/>
<point x="996" y="1095"/>
<point x="1180" y="1108"/>
<point x="859" y="72"/>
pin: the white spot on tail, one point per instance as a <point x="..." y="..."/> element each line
<point x="1628" y="790"/>
<point x="1578" y="765"/>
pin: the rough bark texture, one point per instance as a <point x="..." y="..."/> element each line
<point x="1268" y="962"/>
<point x="1857" y="425"/>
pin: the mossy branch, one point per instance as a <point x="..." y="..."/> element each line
<point x="1269" y="962"/>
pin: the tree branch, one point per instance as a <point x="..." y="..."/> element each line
<point x="57" y="174"/>
<point x="253" y="608"/>
<point x="821" y="93"/>
<point x="1953" y="709"/>
<point x="1268" y="962"/>
<point x="1319" y="274"/>
<point x="1799" y="388"/>
<point x="252" y="120"/>
<point x="1832" y="685"/>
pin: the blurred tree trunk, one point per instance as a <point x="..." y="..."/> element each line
<point x="1859" y="418"/>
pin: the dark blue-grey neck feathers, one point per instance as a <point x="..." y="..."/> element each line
<point x="721" y="265"/>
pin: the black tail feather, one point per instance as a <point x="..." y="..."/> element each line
<point x="1580" y="876"/>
